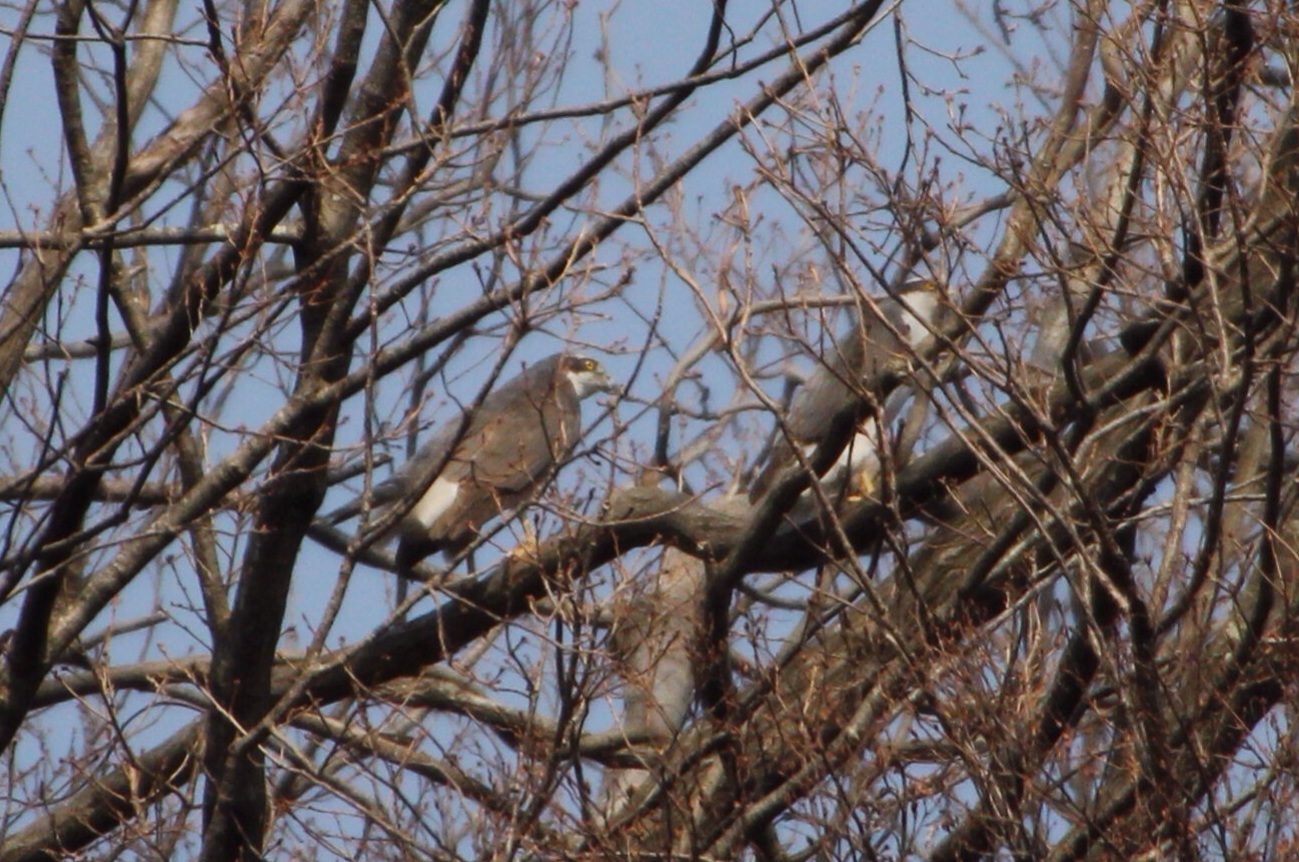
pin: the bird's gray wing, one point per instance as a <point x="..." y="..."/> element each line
<point x="456" y="444"/>
<point x="827" y="391"/>
<point x="830" y="388"/>
<point x="518" y="441"/>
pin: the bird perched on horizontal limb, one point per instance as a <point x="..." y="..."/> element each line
<point x="477" y="467"/>
<point x="888" y="330"/>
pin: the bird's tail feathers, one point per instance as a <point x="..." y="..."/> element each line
<point x="381" y="495"/>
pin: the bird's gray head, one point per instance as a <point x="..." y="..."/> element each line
<point x="587" y="376"/>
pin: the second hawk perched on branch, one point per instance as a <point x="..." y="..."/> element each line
<point x="842" y="378"/>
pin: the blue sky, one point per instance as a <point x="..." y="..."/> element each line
<point x="957" y="80"/>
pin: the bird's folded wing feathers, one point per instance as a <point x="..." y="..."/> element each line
<point x="505" y="450"/>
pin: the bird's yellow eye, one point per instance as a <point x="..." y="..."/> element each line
<point x="588" y="364"/>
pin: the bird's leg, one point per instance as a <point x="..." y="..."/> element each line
<point x="529" y="547"/>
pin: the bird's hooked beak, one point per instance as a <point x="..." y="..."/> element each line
<point x="605" y="383"/>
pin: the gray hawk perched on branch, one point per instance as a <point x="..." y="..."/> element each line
<point x="479" y="466"/>
<point x="840" y="379"/>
